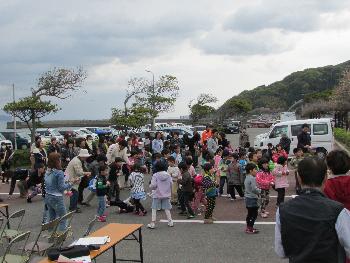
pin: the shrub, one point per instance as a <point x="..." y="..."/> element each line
<point x="342" y="136"/>
<point x="21" y="158"/>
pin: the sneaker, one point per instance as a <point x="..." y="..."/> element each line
<point x="101" y="219"/>
<point x="151" y="225"/>
<point x="251" y="231"/>
<point x="267" y="212"/>
<point x="141" y="213"/>
<point x="122" y="211"/>
<point x="171" y="223"/>
<point x="263" y="215"/>
<point x="199" y="214"/>
<point x="208" y="221"/>
<point x="29" y="200"/>
<point x="78" y="210"/>
<point x="190" y="216"/>
<point x="232" y="199"/>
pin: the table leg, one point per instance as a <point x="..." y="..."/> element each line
<point x="140" y="242"/>
<point x="7" y="215"/>
<point x="114" y="256"/>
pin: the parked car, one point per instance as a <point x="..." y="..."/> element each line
<point x="87" y="132"/>
<point x="180" y="130"/>
<point x="4" y="140"/>
<point x="22" y="139"/>
<point x="49" y="133"/>
<point x="322" y="140"/>
<point x="99" y="131"/>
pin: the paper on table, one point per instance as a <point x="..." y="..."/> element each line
<point x="92" y="241"/>
<point x="63" y="259"/>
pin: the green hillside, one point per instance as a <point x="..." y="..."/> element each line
<point x="282" y="94"/>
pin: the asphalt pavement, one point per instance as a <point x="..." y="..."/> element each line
<point x="187" y="241"/>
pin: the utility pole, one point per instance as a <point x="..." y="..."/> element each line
<point x="14" y="118"/>
<point x="153" y="107"/>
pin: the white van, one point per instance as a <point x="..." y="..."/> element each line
<point x="321" y="132"/>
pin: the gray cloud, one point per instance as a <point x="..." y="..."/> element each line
<point x="298" y="16"/>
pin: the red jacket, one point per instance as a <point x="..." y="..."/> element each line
<point x="264" y="180"/>
<point x="338" y="188"/>
<point x="278" y="154"/>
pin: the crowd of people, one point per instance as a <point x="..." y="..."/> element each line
<point x="190" y="173"/>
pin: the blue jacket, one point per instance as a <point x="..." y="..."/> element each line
<point x="54" y="182"/>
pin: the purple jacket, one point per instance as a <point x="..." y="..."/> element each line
<point x="161" y="184"/>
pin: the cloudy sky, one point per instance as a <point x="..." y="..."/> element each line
<point x="218" y="47"/>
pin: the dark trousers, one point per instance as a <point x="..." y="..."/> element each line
<point x="223" y="179"/>
<point x="126" y="172"/>
<point x="73" y="204"/>
<point x="114" y="190"/>
<point x="84" y="182"/>
<point x="5" y="167"/>
<point x="185" y="202"/>
<point x="297" y="184"/>
<point x="231" y="190"/>
<point x="138" y="205"/>
<point x="281" y="192"/>
<point x="252" y="215"/>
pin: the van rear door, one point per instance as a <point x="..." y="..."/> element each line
<point x="321" y="135"/>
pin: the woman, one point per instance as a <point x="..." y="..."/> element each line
<point x="68" y="152"/>
<point x="5" y="153"/>
<point x="39" y="154"/>
<point x="55" y="186"/>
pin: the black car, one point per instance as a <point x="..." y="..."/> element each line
<point x="22" y="139"/>
<point x="230" y="128"/>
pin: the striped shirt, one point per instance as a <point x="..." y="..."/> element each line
<point x="136" y="180"/>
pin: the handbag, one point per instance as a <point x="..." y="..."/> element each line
<point x="69" y="252"/>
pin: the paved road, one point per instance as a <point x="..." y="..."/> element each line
<point x="186" y="242"/>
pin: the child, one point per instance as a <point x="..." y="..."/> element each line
<point x="234" y="178"/>
<point x="175" y="174"/>
<point x="242" y="162"/>
<point x="209" y="186"/>
<point x="199" y="196"/>
<point x="137" y="191"/>
<point x="191" y="169"/>
<point x="251" y="198"/>
<point x="101" y="191"/>
<point x="177" y="154"/>
<point x="279" y="152"/>
<point x="187" y="191"/>
<point x="115" y="172"/>
<point x="264" y="180"/>
<point x="161" y="184"/>
<point x="223" y="168"/>
<point x="217" y="159"/>
<point x="338" y="185"/>
<point x="281" y="173"/>
<point x="35" y="181"/>
<point x="253" y="158"/>
<point x="298" y="157"/>
<point x="259" y="154"/>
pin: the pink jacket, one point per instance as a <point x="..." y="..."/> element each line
<point x="264" y="180"/>
<point x="281" y="176"/>
<point x="277" y="155"/>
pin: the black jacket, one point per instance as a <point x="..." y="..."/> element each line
<point x="303" y="140"/>
<point x="101" y="186"/>
<point x="308" y="228"/>
<point x="186" y="182"/>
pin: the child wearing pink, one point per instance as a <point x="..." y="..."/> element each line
<point x="281" y="173"/>
<point x="264" y="180"/>
<point x="199" y="197"/>
<point x="279" y="152"/>
<point x="217" y="160"/>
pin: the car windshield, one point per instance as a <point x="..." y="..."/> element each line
<point x="85" y="131"/>
<point x="2" y="137"/>
<point x="23" y="135"/>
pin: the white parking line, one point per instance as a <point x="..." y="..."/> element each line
<point x="217" y="222"/>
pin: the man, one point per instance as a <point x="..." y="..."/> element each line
<point x="304" y="138"/>
<point x="206" y="134"/>
<point x="312" y="228"/>
<point x="75" y="171"/>
<point x="212" y="143"/>
<point x="244" y="139"/>
<point x="53" y="146"/>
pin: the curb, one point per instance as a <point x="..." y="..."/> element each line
<point x="341" y="146"/>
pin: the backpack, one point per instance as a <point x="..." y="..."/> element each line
<point x="92" y="184"/>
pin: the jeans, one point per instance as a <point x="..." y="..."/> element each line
<point x="280" y="197"/>
<point x="185" y="200"/>
<point x="55" y="205"/>
<point x="45" y="214"/>
<point x="223" y="179"/>
<point x="101" y="205"/>
<point x="73" y="204"/>
<point x="252" y="215"/>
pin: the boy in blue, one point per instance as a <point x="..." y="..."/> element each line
<point x="242" y="164"/>
<point x="101" y="191"/>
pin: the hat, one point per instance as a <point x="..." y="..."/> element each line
<point x="118" y="159"/>
<point x="84" y="153"/>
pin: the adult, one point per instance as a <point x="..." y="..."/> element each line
<point x="223" y="140"/>
<point x="285" y="143"/>
<point x="311" y="227"/>
<point x="157" y="143"/>
<point x="206" y="134"/>
<point x="176" y="140"/>
<point x="338" y="184"/>
<point x="53" y="146"/>
<point x="5" y="153"/>
<point x="39" y="154"/>
<point x="244" y="139"/>
<point x="68" y="152"/>
<point x="212" y="142"/>
<point x="147" y="142"/>
<point x="75" y="173"/>
<point x="55" y="186"/>
<point x="304" y="138"/>
<point x="34" y="182"/>
<point x="120" y="150"/>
